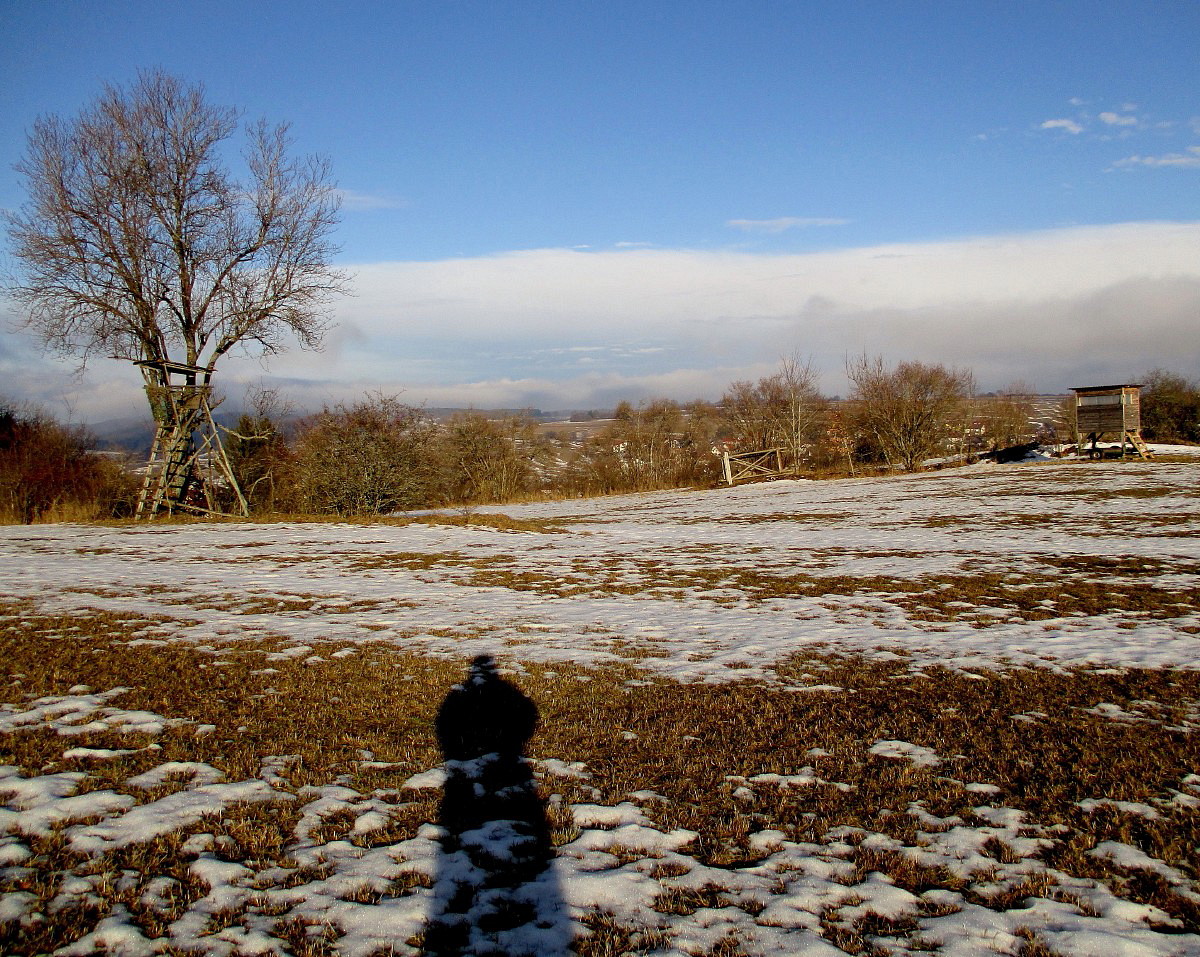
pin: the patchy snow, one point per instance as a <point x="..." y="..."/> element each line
<point x="690" y="567"/>
<point x="194" y="771"/>
<point x="686" y="611"/>
<point x="434" y="778"/>
<point x="904" y="751"/>
<point x="1125" y="807"/>
<point x="619" y="862"/>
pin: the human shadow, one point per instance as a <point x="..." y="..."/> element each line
<point x="495" y="890"/>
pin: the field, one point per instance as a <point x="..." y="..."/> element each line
<point x="955" y="713"/>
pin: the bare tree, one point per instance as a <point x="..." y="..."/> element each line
<point x="778" y="411"/>
<point x="803" y="404"/>
<point x="748" y="408"/>
<point x="1170" y="407"/>
<point x="909" y="412"/>
<point x="138" y="243"/>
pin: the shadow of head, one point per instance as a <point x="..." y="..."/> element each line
<point x="485" y="715"/>
<point x="483" y="727"/>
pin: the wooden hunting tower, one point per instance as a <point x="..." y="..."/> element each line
<point x="1113" y="410"/>
<point x="188" y="466"/>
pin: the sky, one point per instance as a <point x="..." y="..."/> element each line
<point x="562" y="205"/>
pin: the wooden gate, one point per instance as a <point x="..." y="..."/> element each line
<point x="747" y="466"/>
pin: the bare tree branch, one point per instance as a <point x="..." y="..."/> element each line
<point x="137" y="242"/>
<point x="909" y="412"/>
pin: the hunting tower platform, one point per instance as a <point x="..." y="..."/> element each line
<point x="188" y="469"/>
<point x="1113" y="410"/>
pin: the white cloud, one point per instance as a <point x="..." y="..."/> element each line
<point x="362" y="202"/>
<point x="784" y="223"/>
<point x="1068" y="126"/>
<point x="1117" y="119"/>
<point x="1054" y="308"/>
<point x="1190" y="159"/>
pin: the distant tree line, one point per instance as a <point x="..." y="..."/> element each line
<point x="379" y="455"/>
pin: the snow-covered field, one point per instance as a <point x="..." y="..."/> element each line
<point x="686" y="575"/>
<point x="1052" y="565"/>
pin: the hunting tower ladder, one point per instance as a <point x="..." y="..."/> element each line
<point x="188" y="469"/>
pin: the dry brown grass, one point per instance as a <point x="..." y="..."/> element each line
<point x="685" y="742"/>
<point x="608" y="937"/>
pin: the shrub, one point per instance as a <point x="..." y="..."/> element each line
<point x="1170" y="408"/>
<point x="49" y="473"/>
<point x="488" y="460"/>
<point x="658" y="444"/>
<point x="373" y="457"/>
<point x="785" y="410"/>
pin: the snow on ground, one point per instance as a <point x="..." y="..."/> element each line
<point x="678" y="575"/>
<point x="381" y="895"/>
<point x="681" y="582"/>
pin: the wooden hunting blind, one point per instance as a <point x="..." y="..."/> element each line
<point x="1109" y="410"/>
<point x="188" y="466"/>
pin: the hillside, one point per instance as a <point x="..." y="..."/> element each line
<point x="953" y="712"/>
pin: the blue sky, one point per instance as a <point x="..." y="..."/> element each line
<point x="564" y="204"/>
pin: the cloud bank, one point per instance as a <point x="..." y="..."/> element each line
<point x="562" y="328"/>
